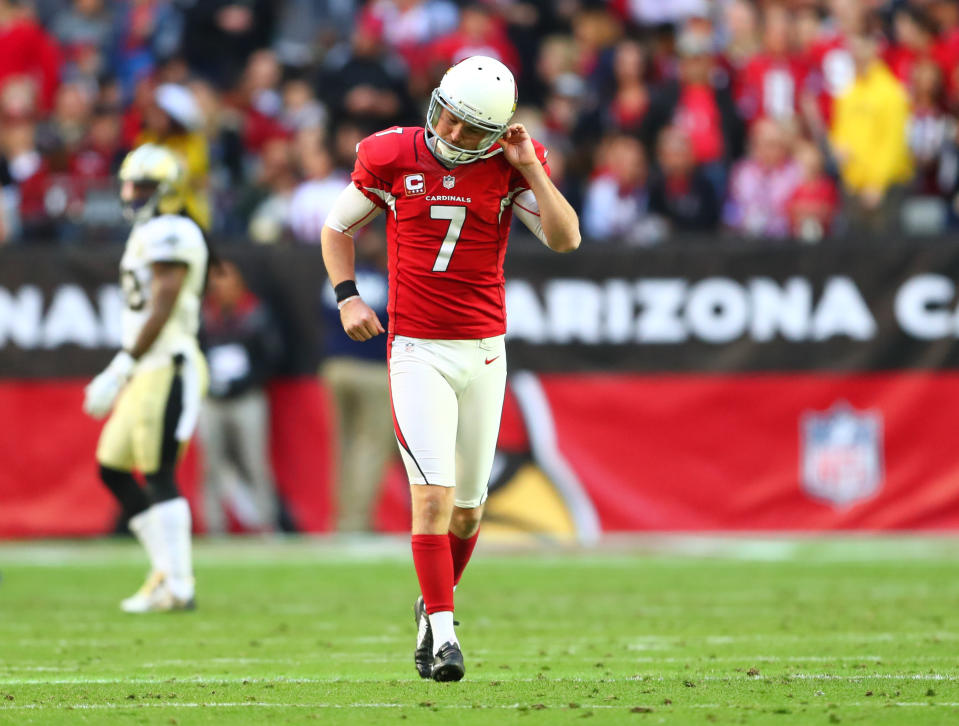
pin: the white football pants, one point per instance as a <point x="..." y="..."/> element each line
<point x="447" y="398"/>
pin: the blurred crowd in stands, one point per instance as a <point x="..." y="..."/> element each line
<point x="770" y="119"/>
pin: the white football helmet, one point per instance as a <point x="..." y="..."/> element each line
<point x="156" y="165"/>
<point x="480" y="91"/>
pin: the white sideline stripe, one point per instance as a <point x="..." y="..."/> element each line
<point x="668" y="640"/>
<point x="584" y="707"/>
<point x="217" y="680"/>
<point x="264" y="704"/>
<point x="612" y="550"/>
<point x="870" y="660"/>
<point x="645" y="642"/>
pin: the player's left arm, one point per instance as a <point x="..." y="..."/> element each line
<point x="557" y="217"/>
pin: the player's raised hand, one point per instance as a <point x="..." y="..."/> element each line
<point x="518" y="147"/>
<point x="359" y="320"/>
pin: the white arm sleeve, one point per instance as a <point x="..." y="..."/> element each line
<point x="351" y="210"/>
<point x="526" y="210"/>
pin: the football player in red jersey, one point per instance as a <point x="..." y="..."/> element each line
<point x="449" y="190"/>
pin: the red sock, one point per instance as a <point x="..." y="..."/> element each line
<point x="434" y="569"/>
<point x="462" y="550"/>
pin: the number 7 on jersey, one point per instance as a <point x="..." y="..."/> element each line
<point x="456" y="217"/>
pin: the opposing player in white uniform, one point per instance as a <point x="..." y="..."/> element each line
<point x="155" y="384"/>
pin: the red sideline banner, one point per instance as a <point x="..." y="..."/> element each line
<point x="50" y="484"/>
<point x="763" y="452"/>
<point x="685" y="387"/>
<point x="757" y="452"/>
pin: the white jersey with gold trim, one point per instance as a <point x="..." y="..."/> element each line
<point x="166" y="238"/>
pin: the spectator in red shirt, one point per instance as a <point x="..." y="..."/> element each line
<point x="479" y="33"/>
<point x="915" y="40"/>
<point x="813" y="205"/>
<point x="260" y="100"/>
<point x="698" y="102"/>
<point x="945" y="14"/>
<point x="630" y="95"/>
<point x="618" y="96"/>
<point x="770" y="84"/>
<point x="27" y="50"/>
<point x="830" y="60"/>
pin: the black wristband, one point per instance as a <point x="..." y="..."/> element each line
<point x="345" y="289"/>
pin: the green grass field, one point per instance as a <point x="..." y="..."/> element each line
<point x="657" y="631"/>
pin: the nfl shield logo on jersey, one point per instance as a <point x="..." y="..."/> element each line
<point x="449" y="181"/>
<point x="841" y="454"/>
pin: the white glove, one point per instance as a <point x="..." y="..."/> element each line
<point x="103" y="390"/>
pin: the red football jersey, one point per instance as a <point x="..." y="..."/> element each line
<point x="770" y="87"/>
<point x="446" y="230"/>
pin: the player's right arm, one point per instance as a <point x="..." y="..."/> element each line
<point x="367" y="196"/>
<point x="166" y="282"/>
<point x="350" y="212"/>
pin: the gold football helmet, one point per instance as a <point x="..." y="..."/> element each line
<point x="152" y="180"/>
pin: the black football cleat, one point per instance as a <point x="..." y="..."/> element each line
<point x="448" y="663"/>
<point x="423" y="655"/>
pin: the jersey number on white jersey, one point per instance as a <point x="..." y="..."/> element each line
<point x="132" y="290"/>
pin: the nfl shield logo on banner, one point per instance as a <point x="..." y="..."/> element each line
<point x="449" y="181"/>
<point x="841" y="454"/>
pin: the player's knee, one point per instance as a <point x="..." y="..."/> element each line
<point x="125" y="488"/>
<point x="162" y="484"/>
<point x="465" y="522"/>
<point x="432" y="505"/>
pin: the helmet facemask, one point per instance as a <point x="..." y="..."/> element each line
<point x="152" y="183"/>
<point x="143" y="203"/>
<point x="451" y="152"/>
<point x="478" y="91"/>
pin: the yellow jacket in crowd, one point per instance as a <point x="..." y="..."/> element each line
<point x="192" y="148"/>
<point x="869" y="131"/>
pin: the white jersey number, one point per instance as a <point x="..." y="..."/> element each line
<point x="456" y="217"/>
